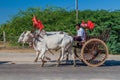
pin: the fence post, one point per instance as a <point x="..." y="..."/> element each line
<point x="23" y="46"/>
<point x="4" y="39"/>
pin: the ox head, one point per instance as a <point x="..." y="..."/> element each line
<point x="21" y="38"/>
<point x="28" y="37"/>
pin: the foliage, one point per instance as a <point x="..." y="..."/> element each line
<point x="59" y="19"/>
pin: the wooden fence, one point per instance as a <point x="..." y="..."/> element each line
<point x="3" y="40"/>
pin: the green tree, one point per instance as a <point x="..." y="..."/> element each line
<point x="59" y="19"/>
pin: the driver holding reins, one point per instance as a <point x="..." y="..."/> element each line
<point x="81" y="34"/>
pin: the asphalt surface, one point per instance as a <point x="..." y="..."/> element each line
<point x="20" y="66"/>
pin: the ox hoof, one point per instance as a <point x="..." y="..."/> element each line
<point x="57" y="65"/>
<point x="43" y="62"/>
<point x="74" y="65"/>
<point x="48" y="58"/>
<point x="35" y="60"/>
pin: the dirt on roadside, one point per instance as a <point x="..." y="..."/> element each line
<point x="13" y="50"/>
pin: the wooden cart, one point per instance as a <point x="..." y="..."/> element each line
<point x="94" y="50"/>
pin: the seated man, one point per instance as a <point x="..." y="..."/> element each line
<point x="81" y="35"/>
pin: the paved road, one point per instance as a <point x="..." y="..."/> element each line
<point x="19" y="66"/>
<point x="35" y="72"/>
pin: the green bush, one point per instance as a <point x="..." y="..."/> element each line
<point x="59" y="19"/>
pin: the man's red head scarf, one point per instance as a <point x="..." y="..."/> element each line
<point x="37" y="23"/>
<point x="89" y="24"/>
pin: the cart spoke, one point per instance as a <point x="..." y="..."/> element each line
<point x="94" y="52"/>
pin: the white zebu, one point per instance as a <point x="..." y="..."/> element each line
<point x="48" y="41"/>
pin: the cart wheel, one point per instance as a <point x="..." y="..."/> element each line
<point x="94" y="52"/>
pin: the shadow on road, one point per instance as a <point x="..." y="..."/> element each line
<point x="112" y="63"/>
<point x="79" y="63"/>
<point x="69" y="62"/>
<point x="4" y="62"/>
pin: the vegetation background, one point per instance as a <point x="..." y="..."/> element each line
<point x="59" y="19"/>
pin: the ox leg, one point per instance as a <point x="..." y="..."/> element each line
<point x="59" y="58"/>
<point x="42" y="56"/>
<point x="37" y="55"/>
<point x="67" y="52"/>
<point x="43" y="62"/>
<point x="74" y="61"/>
<point x="74" y="56"/>
<point x="70" y="51"/>
<point x="62" y="54"/>
<point x="67" y="57"/>
<point x="47" y="58"/>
